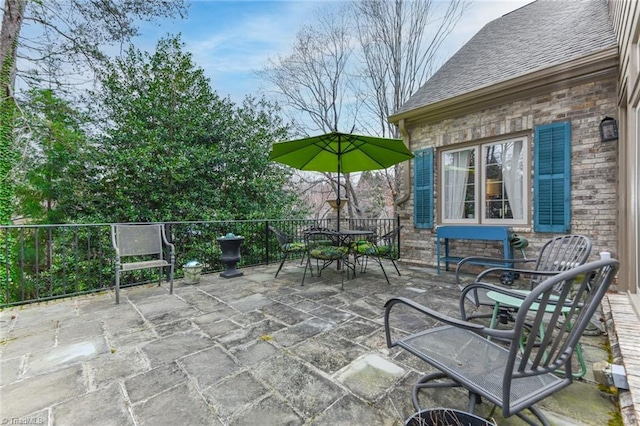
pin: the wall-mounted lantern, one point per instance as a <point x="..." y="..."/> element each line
<point x="608" y="129"/>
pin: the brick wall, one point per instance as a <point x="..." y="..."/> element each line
<point x="594" y="189"/>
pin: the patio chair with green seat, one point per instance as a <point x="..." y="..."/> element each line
<point x="325" y="247"/>
<point x="384" y="247"/>
<point x="289" y="247"/>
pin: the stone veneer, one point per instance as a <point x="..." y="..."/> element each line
<point x="594" y="189"/>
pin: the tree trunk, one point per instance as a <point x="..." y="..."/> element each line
<point x="11" y="23"/>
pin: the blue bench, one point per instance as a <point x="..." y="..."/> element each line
<point x="471" y="232"/>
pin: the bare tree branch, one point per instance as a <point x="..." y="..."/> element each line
<point x="359" y="65"/>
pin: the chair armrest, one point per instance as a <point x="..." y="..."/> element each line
<point x="488" y="260"/>
<point x="473" y="287"/>
<point x="490" y="287"/>
<point x="455" y="322"/>
<point x="165" y="240"/>
<point x="486" y="272"/>
<point x="485" y="287"/>
<point x="498" y="289"/>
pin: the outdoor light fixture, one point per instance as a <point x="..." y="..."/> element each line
<point x="608" y="129"/>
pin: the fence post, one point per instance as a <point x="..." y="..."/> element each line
<point x="399" y="233"/>
<point x="168" y="230"/>
<point x="266" y="241"/>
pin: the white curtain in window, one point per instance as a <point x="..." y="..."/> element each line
<point x="513" y="175"/>
<point x="456" y="185"/>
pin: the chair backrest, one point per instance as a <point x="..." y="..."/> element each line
<point x="560" y="254"/>
<point x="281" y="236"/>
<point x="317" y="229"/>
<point x="557" y="320"/>
<point x="391" y="239"/>
<point x="321" y="237"/>
<point x="138" y="240"/>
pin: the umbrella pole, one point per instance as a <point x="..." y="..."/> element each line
<point x="339" y="163"/>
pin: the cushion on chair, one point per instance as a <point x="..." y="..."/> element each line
<point x="328" y="252"/>
<point x="293" y="247"/>
<point x="373" y="250"/>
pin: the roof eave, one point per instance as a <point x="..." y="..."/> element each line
<point x="596" y="66"/>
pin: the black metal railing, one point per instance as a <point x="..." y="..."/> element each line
<point x="43" y="262"/>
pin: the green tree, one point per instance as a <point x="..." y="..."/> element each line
<point x="67" y="35"/>
<point x="174" y="150"/>
<point x="53" y="165"/>
<point x="253" y="186"/>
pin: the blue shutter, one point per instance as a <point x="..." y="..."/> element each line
<point x="552" y="177"/>
<point x="423" y="188"/>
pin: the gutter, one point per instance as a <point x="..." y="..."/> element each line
<point x="406" y="171"/>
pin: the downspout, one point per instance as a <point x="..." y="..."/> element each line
<point x="406" y="175"/>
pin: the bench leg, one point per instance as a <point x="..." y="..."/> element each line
<point x="171" y="279"/>
<point x="117" y="285"/>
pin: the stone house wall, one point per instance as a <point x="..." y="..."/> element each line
<point x="594" y="188"/>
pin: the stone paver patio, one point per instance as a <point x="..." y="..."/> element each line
<point x="242" y="351"/>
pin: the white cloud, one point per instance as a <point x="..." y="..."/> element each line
<point x="231" y="49"/>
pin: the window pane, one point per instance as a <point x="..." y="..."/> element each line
<point x="459" y="184"/>
<point x="504" y="186"/>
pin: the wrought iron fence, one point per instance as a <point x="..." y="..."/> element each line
<point x="43" y="262"/>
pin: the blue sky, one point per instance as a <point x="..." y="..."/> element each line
<point x="232" y="39"/>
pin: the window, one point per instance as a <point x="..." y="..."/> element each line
<point x="486" y="183"/>
<point x="489" y="183"/>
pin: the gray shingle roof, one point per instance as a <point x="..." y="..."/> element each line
<point x="537" y="36"/>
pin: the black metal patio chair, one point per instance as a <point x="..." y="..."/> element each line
<point x="507" y="377"/>
<point x="384" y="247"/>
<point x="289" y="247"/>
<point x="326" y="247"/>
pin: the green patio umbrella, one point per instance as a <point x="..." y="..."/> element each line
<point x="340" y="153"/>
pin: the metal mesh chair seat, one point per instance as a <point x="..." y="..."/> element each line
<point x="477" y="364"/>
<point x="131" y="266"/>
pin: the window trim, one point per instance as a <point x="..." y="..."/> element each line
<point x="480" y="183"/>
